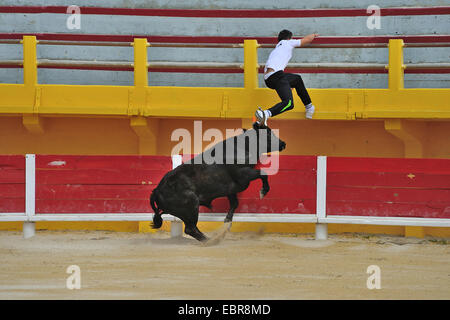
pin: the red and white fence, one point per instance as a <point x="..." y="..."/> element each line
<point x="306" y="189"/>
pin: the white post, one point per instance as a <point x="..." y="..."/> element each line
<point x="29" y="227"/>
<point x="321" y="200"/>
<point x="176" y="226"/>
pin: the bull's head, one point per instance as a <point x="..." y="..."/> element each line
<point x="264" y="133"/>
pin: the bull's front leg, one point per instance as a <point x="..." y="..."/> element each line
<point x="265" y="184"/>
<point x="246" y="175"/>
<point x="233" y="205"/>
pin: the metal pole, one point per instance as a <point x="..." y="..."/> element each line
<point x="321" y="200"/>
<point x="176" y="226"/>
<point x="29" y="227"/>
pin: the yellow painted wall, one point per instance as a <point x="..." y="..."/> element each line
<point x="82" y="136"/>
<point x="71" y="135"/>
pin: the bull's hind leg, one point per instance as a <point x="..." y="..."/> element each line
<point x="190" y="226"/>
<point x="192" y="230"/>
<point x="187" y="211"/>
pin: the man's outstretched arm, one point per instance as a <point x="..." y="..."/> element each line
<point x="308" y="39"/>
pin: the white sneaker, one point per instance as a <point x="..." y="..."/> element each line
<point x="261" y="116"/>
<point x="310" y="112"/>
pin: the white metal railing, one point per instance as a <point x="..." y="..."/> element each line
<point x="320" y="218"/>
<point x="128" y="65"/>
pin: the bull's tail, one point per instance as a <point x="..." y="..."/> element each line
<point x="157" y="219"/>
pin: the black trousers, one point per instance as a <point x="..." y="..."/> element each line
<point x="282" y="83"/>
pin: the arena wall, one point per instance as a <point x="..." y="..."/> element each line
<point x="421" y="136"/>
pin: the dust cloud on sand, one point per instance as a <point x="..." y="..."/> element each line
<point x="238" y="266"/>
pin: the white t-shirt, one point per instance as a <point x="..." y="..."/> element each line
<point x="280" y="56"/>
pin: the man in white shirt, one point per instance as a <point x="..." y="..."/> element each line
<point x="276" y="78"/>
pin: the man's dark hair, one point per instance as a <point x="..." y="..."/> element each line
<point x="284" y="35"/>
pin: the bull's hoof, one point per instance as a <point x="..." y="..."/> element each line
<point x="262" y="193"/>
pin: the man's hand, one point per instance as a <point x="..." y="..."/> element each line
<point x="309" y="38"/>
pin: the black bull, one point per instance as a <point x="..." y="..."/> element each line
<point x="223" y="170"/>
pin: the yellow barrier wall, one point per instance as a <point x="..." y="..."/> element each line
<point x="76" y="135"/>
<point x="57" y="119"/>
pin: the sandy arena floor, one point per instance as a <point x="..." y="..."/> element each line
<point x="243" y="266"/>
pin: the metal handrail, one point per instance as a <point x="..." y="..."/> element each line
<point x="214" y="65"/>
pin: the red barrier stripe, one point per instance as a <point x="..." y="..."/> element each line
<point x="97" y="192"/>
<point x="127" y="162"/>
<point x="289" y="162"/>
<point x="223" y="39"/>
<point x="12" y="176"/>
<point x="395" y="165"/>
<point x="288" y="178"/>
<point x="362" y="208"/>
<point x="301" y="205"/>
<point x="142" y="176"/>
<point x="90" y="184"/>
<point x="231" y="13"/>
<point x="389" y="179"/>
<point x="11" y="162"/>
<point x="12" y="191"/>
<point x="142" y="192"/>
<point x="428" y="70"/>
<point x="388" y="187"/>
<point x="298" y="206"/>
<point x="389" y="195"/>
<point x="12" y="205"/>
<point x="142" y="206"/>
<point x="280" y="191"/>
<point x="99" y="176"/>
<point x="93" y="206"/>
<point x="336" y="70"/>
<point x="12" y="183"/>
